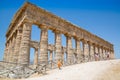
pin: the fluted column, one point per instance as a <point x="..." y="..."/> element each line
<point x="96" y="49"/>
<point x="9" y="51"/>
<point x="12" y="49"/>
<point x="17" y="44"/>
<point x="86" y="51"/>
<point x="100" y="51"/>
<point x="6" y="53"/>
<point x="78" y="50"/>
<point x="25" y="44"/>
<point x="63" y="60"/>
<point x="106" y="53"/>
<point x="97" y="55"/>
<point x="102" y="56"/>
<point x="51" y="55"/>
<point x="103" y="53"/>
<point x="82" y="57"/>
<point x="91" y="52"/>
<point x="36" y="57"/>
<point x="112" y="56"/>
<point x="69" y="49"/>
<point x="43" y="57"/>
<point x="58" y="50"/>
<point x="7" y="57"/>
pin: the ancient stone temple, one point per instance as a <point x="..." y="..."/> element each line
<point x="18" y="39"/>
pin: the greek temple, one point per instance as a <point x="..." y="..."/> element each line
<point x="88" y="46"/>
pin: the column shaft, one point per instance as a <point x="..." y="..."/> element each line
<point x="12" y="50"/>
<point x="51" y="55"/>
<point x="6" y="53"/>
<point x="103" y="53"/>
<point x="58" y="51"/>
<point x="43" y="57"/>
<point x="25" y="44"/>
<point x="92" y="53"/>
<point x="112" y="56"/>
<point x="100" y="52"/>
<point x="69" y="50"/>
<point x="78" y="50"/>
<point x="36" y="57"/>
<point x="96" y="49"/>
<point x="17" y="45"/>
<point x="86" y="51"/>
<point x="9" y="52"/>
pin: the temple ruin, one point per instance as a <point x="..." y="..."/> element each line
<point x="18" y="39"/>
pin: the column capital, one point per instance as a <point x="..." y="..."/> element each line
<point x="68" y="35"/>
<point x="90" y="43"/>
<point x="43" y="26"/>
<point x="77" y="38"/>
<point x="84" y="41"/>
<point x="57" y="31"/>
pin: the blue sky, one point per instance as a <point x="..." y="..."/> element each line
<point x="100" y="17"/>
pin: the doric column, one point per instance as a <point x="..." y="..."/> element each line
<point x="51" y="55"/>
<point x="107" y="52"/>
<point x="63" y="60"/>
<point x="9" y="51"/>
<point x="7" y="57"/>
<point x="91" y="52"/>
<point x="100" y="52"/>
<point x="36" y="57"/>
<point x="82" y="51"/>
<point x="6" y="52"/>
<point x="78" y="50"/>
<point x="63" y="55"/>
<point x="69" y="49"/>
<point x="102" y="56"/>
<point x="103" y="53"/>
<point x="97" y="55"/>
<point x="43" y="57"/>
<point x="112" y="56"/>
<point x="25" y="44"/>
<point x="96" y="49"/>
<point x="17" y="44"/>
<point x="86" y="51"/>
<point x="12" y="49"/>
<point x="58" y="50"/>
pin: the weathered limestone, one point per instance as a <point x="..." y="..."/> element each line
<point x="36" y="57"/>
<point x="24" y="46"/>
<point x="17" y="45"/>
<point x="12" y="50"/>
<point x="6" y="53"/>
<point x="104" y="53"/>
<point x="101" y="53"/>
<point x="112" y="56"/>
<point x="43" y="56"/>
<point x="78" y="51"/>
<point x="51" y="55"/>
<point x="91" y="52"/>
<point x="9" y="52"/>
<point x="86" y="51"/>
<point x="58" y="52"/>
<point x="18" y="39"/>
<point x="69" y="49"/>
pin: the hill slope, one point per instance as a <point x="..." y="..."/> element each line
<point x="99" y="70"/>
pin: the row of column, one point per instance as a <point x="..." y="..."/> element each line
<point x="18" y="50"/>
